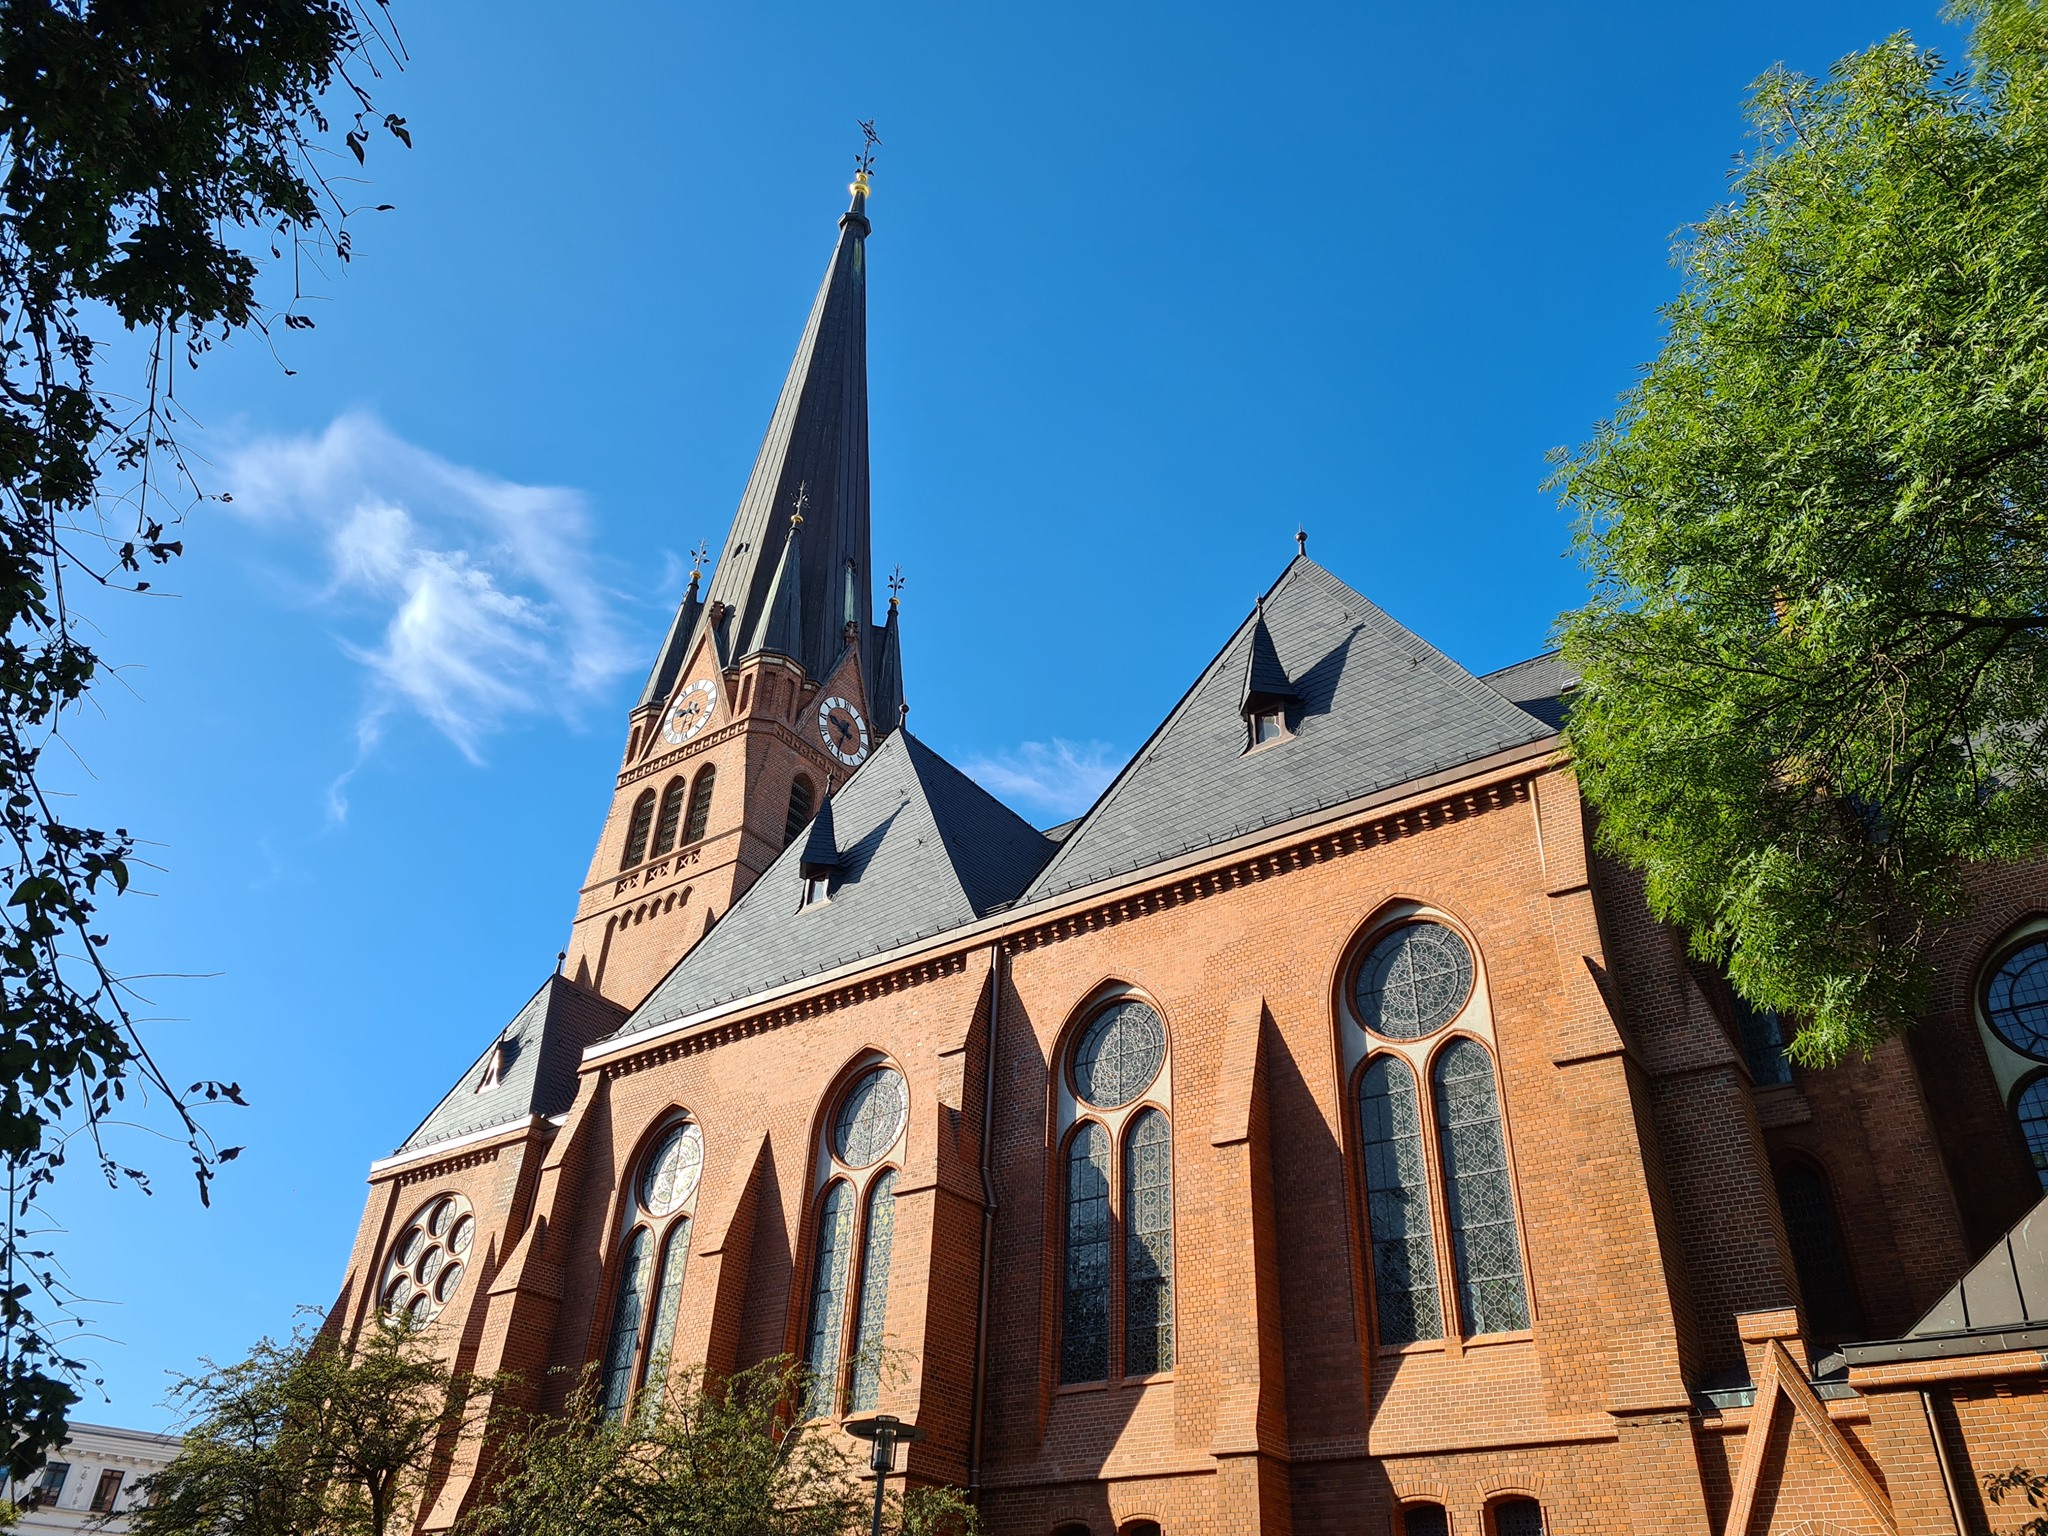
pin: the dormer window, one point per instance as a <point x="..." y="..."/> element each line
<point x="817" y="888"/>
<point x="494" y="1066"/>
<point x="1268" y="725"/>
<point x="1267" y="690"/>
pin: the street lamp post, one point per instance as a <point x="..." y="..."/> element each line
<point x="884" y="1429"/>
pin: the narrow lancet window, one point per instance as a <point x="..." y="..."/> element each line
<point x="668" y="1293"/>
<point x="627" y="1319"/>
<point x="2032" y="1109"/>
<point x="700" y="804"/>
<point x="671" y="817"/>
<point x="637" y="830"/>
<point x="1084" y="1328"/>
<point x="1818" y="1257"/>
<point x="874" y="1295"/>
<point x="799" y="815"/>
<point x="1397" y="1204"/>
<point x="1148" y="1246"/>
<point x="828" y="1298"/>
<point x="1478" y="1196"/>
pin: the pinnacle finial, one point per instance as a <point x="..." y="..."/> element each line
<point x="699" y="558"/>
<point x="796" y="507"/>
<point x="1300" y="539"/>
<point x="895" y="584"/>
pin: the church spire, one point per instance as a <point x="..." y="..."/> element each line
<point x="817" y="442"/>
<point x="780" y="629"/>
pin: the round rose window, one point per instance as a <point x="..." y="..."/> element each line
<point x="871" y="1118"/>
<point x="1119" y="1055"/>
<point x="672" y="1173"/>
<point x="1413" y="981"/>
<point x="429" y="1259"/>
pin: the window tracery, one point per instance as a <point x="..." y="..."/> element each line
<point x="1414" y="980"/>
<point x="2016" y="998"/>
<point x="426" y="1264"/>
<point x="654" y="1263"/>
<point x="1478" y="1195"/>
<point x="847" y="1318"/>
<point x="2031" y="1109"/>
<point x="1397" y="1204"/>
<point x="1116" y="1304"/>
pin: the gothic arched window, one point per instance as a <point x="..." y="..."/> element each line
<point x="876" y="1244"/>
<point x="2031" y="1109"/>
<point x="637" y="829"/>
<point x="1818" y="1256"/>
<point x="700" y="804"/>
<point x="627" y="1318"/>
<point x="849" y="1307"/>
<point x="664" y="1192"/>
<point x="1084" y="1323"/>
<point x="1148" y="1245"/>
<point x="1479" y="1199"/>
<point x="799" y="816"/>
<point x="828" y="1293"/>
<point x="671" y="817"/>
<point x="1117" y="1299"/>
<point x="1397" y="1203"/>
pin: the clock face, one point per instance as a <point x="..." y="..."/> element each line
<point x="690" y="713"/>
<point x="843" y="731"/>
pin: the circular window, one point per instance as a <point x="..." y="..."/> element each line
<point x="1413" y="980"/>
<point x="871" y="1118"/>
<point x="2017" y="999"/>
<point x="426" y="1265"/>
<point x="1119" y="1055"/>
<point x="673" y="1171"/>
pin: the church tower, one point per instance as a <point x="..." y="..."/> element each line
<point x="771" y="687"/>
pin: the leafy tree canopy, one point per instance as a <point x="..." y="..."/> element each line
<point x="155" y="156"/>
<point x="311" y="1438"/>
<point x="694" y="1459"/>
<point x="1816" y="657"/>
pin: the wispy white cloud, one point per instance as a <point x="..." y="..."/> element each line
<point x="474" y="599"/>
<point x="1058" y="776"/>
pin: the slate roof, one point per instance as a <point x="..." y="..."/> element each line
<point x="547" y="1039"/>
<point x="1378" y="707"/>
<point x="1537" y="685"/>
<point x="921" y="849"/>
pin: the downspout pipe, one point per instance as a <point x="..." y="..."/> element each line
<point x="988" y="1224"/>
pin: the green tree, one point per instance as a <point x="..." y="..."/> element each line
<point x="155" y="157"/>
<point x="1813" y="662"/>
<point x="697" y="1459"/>
<point x="313" y="1438"/>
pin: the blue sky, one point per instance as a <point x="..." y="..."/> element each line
<point x="1149" y="285"/>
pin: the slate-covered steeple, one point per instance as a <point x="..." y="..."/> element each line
<point x="817" y="444"/>
<point x="675" y="650"/>
<point x="780" y="628"/>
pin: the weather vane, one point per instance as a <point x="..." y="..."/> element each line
<point x="864" y="162"/>
<point x="803" y="499"/>
<point x="699" y="558"/>
<point x="895" y="583"/>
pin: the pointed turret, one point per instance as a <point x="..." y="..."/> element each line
<point x="780" y="629"/>
<point x="817" y="441"/>
<point x="675" y="650"/>
<point x="886" y="696"/>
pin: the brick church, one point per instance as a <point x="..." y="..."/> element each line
<point x="1318" y="1135"/>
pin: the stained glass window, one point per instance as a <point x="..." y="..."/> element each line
<point x="1415" y="979"/>
<point x="424" y="1269"/>
<point x="1763" y="1044"/>
<point x="1424" y="1520"/>
<point x="828" y="1297"/>
<point x="1518" y="1517"/>
<point x="700" y="803"/>
<point x="874" y="1295"/>
<point x="2032" y="1109"/>
<point x="1084" y="1323"/>
<point x="1120" y="1054"/>
<point x="2017" y="999"/>
<point x="1478" y="1197"/>
<point x="1818" y="1257"/>
<point x="871" y="1117"/>
<point x="671" y="817"/>
<point x="671" y="1175"/>
<point x="668" y="1303"/>
<point x="1148" y="1245"/>
<point x="1397" y="1204"/>
<point x="637" y="830"/>
<point x="627" y="1319"/>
